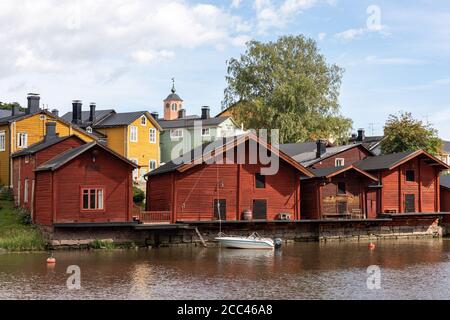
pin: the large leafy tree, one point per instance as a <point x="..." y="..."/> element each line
<point x="9" y="106"/>
<point x="404" y="133"/>
<point x="287" y="85"/>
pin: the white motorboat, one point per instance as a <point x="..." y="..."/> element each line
<point x="252" y="242"/>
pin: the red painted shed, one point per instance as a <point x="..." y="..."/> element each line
<point x="410" y="181"/>
<point x="339" y="192"/>
<point x="199" y="189"/>
<point x="87" y="184"/>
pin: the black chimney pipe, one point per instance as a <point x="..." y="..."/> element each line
<point x="206" y="112"/>
<point x="92" y="112"/>
<point x="50" y="131"/>
<point x="15" y="110"/>
<point x="33" y="103"/>
<point x="155" y="115"/>
<point x="76" y="112"/>
<point x="321" y="148"/>
<point x="361" y="135"/>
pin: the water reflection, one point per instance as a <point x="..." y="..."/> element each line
<point x="410" y="269"/>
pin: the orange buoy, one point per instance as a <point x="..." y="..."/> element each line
<point x="51" y="260"/>
<point x="372" y="246"/>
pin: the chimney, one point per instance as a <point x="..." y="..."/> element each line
<point x="206" y="112"/>
<point x="361" y="135"/>
<point x="76" y="112"/>
<point x="15" y="110"/>
<point x="182" y="114"/>
<point x="155" y="115"/>
<point x="321" y="148"/>
<point x="92" y="112"/>
<point x="55" y="112"/>
<point x="50" y="131"/>
<point x="33" y="103"/>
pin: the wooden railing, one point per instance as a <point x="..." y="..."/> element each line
<point x="152" y="216"/>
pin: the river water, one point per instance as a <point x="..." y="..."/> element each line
<point x="413" y="269"/>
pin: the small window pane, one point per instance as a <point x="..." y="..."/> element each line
<point x="85" y="199"/>
<point x="92" y="200"/>
<point x="342" y="188"/>
<point x="260" y="181"/>
<point x="410" y="175"/>
<point x="100" y="199"/>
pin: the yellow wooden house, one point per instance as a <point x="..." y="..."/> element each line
<point x="19" y="130"/>
<point x="134" y="135"/>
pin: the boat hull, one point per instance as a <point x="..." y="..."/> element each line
<point x="245" y="243"/>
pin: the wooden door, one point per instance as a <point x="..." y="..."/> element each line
<point x="371" y="204"/>
<point x="260" y="209"/>
<point x="410" y="203"/>
<point x="220" y="209"/>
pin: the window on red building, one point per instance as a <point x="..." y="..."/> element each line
<point x="92" y="199"/>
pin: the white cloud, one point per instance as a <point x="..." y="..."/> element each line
<point x="62" y="36"/>
<point x="235" y="3"/>
<point x="350" y="34"/>
<point x="394" y="61"/>
<point x="270" y="14"/>
<point x="322" y="36"/>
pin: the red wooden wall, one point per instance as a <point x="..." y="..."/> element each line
<point x="351" y="156"/>
<point x="64" y="204"/>
<point x="22" y="170"/>
<point x="193" y="191"/>
<point x="425" y="188"/>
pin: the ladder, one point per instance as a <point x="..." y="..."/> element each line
<point x="201" y="238"/>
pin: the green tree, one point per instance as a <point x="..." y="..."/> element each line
<point x="287" y="85"/>
<point x="404" y="133"/>
<point x="9" y="106"/>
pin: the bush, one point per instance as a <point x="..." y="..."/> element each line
<point x="24" y="217"/>
<point x="99" y="244"/>
<point x="138" y="195"/>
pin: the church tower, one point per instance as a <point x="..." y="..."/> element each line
<point x="172" y="104"/>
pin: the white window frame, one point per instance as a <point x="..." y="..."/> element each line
<point x="152" y="135"/>
<point x="89" y="129"/>
<point x="133" y="134"/>
<point x="206" y="134"/>
<point x="150" y="165"/>
<point x="176" y="137"/>
<point x="2" y="141"/>
<point x="26" y="186"/>
<point x="144" y="123"/>
<point x="339" y="160"/>
<point x="22" y="143"/>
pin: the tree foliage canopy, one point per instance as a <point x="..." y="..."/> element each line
<point x="9" y="106"/>
<point x="404" y="133"/>
<point x="287" y="85"/>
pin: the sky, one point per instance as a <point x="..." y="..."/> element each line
<point x="123" y="54"/>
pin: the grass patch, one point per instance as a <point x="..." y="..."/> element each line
<point x="99" y="244"/>
<point x="16" y="233"/>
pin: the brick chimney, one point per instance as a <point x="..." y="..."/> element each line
<point x="206" y="112"/>
<point x="33" y="103"/>
<point x="50" y="131"/>
<point x="361" y="135"/>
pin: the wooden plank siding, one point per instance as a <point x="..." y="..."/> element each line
<point x="425" y="188"/>
<point x="350" y="156"/>
<point x="190" y="195"/>
<point x="107" y="172"/>
<point x="23" y="169"/>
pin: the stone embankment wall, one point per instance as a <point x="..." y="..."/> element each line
<point x="350" y="230"/>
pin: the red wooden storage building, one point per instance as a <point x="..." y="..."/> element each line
<point x="410" y="181"/>
<point x="65" y="181"/>
<point x="339" y="192"/>
<point x="199" y="190"/>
